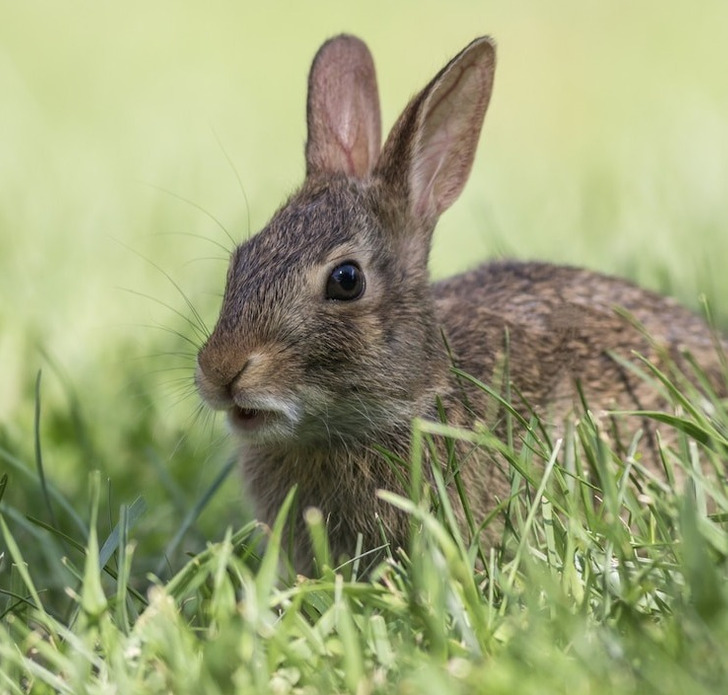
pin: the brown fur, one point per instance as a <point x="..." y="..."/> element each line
<point x="332" y="381"/>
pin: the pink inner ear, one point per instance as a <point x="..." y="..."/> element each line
<point x="344" y="125"/>
<point x="449" y="127"/>
<point x="425" y="175"/>
<point x="350" y="127"/>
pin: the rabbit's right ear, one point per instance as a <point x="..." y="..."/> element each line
<point x="427" y="157"/>
<point x="344" y="123"/>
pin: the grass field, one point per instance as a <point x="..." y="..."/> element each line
<point x="137" y="141"/>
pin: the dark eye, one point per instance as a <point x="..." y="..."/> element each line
<point x="346" y="282"/>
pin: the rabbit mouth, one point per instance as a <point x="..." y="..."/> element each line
<point x="250" y="419"/>
<point x="273" y="421"/>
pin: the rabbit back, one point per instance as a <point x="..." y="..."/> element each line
<point x="562" y="332"/>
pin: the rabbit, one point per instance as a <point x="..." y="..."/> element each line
<point x="331" y="338"/>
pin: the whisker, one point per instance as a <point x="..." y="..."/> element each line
<point x="218" y="259"/>
<point x="201" y="327"/>
<point x="191" y="356"/>
<point x="239" y="180"/>
<point x="202" y="237"/>
<point x="172" y="331"/>
<point x="197" y="207"/>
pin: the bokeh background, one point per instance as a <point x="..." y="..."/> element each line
<point x="138" y="138"/>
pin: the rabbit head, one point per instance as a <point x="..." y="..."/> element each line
<point x="327" y="331"/>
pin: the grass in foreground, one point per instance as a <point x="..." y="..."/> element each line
<point x="621" y="592"/>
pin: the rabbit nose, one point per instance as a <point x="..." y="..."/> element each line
<point x="236" y="383"/>
<point x="220" y="367"/>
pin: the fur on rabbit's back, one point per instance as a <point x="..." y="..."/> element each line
<point x="552" y="328"/>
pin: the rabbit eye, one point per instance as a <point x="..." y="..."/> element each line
<point x="346" y="282"/>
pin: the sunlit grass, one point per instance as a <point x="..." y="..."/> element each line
<point x="621" y="592"/>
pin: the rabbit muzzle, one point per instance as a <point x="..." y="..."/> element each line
<point x="257" y="411"/>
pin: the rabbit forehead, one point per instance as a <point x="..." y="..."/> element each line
<point x="311" y="229"/>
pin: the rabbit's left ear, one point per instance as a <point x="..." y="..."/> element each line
<point x="344" y="123"/>
<point x="429" y="153"/>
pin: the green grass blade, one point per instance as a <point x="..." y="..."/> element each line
<point x="195" y="512"/>
<point x="22" y="569"/>
<point x="130" y="516"/>
<point x="39" y="454"/>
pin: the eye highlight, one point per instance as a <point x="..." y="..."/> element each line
<point x="346" y="282"/>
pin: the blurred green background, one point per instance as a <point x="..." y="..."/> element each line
<point x="133" y="134"/>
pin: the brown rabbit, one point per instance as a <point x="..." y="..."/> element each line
<point x="331" y="338"/>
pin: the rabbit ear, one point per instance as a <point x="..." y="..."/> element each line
<point x="344" y="123"/>
<point x="430" y="151"/>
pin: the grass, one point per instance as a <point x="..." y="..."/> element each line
<point x="128" y="559"/>
<point x="622" y="592"/>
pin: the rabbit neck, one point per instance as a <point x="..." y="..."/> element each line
<point x="340" y="481"/>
